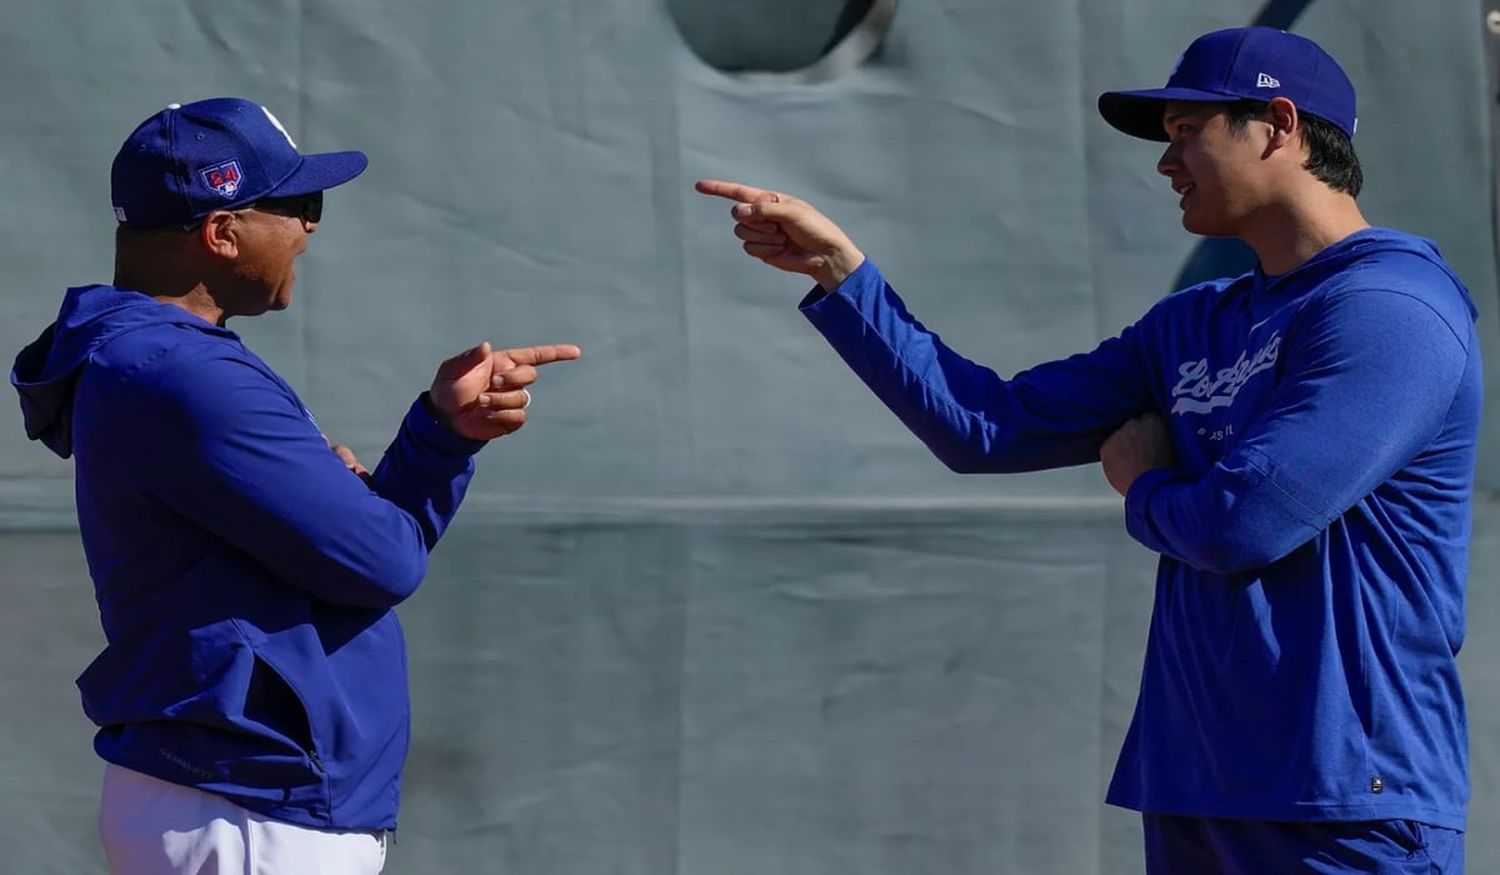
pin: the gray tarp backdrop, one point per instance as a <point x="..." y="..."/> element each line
<point x="714" y="611"/>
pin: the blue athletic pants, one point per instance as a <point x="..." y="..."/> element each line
<point x="1210" y="846"/>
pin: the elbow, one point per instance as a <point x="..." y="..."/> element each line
<point x="985" y="448"/>
<point x="383" y="582"/>
<point x="972" y="460"/>
<point x="959" y="461"/>
<point x="400" y="581"/>
<point x="968" y="459"/>
<point x="965" y="454"/>
<point x="392" y="569"/>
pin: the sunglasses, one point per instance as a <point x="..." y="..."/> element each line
<point x="307" y="207"/>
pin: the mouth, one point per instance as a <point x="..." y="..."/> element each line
<point x="1183" y="189"/>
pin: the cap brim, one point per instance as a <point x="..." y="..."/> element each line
<point x="1138" y="113"/>
<point x="321" y="171"/>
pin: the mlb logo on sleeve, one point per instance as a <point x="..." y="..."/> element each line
<point x="223" y="178"/>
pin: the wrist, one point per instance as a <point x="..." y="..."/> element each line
<point x="837" y="267"/>
<point x="425" y="426"/>
<point x="436" y="413"/>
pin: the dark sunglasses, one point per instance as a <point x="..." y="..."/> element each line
<point x="307" y="207"/>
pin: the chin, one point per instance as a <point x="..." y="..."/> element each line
<point x="1197" y="225"/>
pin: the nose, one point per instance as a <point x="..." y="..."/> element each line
<point x="1170" y="160"/>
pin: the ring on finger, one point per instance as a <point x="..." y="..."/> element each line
<point x="527" y="403"/>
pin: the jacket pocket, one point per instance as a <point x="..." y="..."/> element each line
<point x="272" y="701"/>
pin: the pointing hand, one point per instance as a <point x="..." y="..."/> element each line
<point x="788" y="233"/>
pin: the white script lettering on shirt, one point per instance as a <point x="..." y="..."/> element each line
<point x="1199" y="391"/>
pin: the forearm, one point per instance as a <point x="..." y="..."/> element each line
<point x="1051" y="416"/>
<point x="426" y="471"/>
<point x="1231" y="520"/>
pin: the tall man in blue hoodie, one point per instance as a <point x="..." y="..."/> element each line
<point x="1297" y="443"/>
<point x="252" y="699"/>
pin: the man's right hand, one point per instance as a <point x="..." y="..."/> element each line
<point x="482" y="393"/>
<point x="1136" y="447"/>
<point x="788" y="233"/>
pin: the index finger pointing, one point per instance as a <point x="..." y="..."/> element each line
<point x="544" y="354"/>
<point x="735" y="191"/>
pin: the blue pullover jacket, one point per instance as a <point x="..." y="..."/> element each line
<point x="245" y="578"/>
<point x="1313" y="536"/>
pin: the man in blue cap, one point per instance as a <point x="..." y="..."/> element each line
<point x="1297" y="443"/>
<point x="252" y="697"/>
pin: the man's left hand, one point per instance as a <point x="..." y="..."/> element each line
<point x="1136" y="447"/>
<point x="346" y="456"/>
<point x="481" y="393"/>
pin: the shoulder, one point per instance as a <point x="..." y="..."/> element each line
<point x="1408" y="265"/>
<point x="1400" y="320"/>
<point x="1405" y="290"/>
<point x="178" y="365"/>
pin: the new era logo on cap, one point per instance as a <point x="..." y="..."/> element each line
<point x="1266" y="81"/>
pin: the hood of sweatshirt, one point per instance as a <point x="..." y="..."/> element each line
<point x="46" y="372"/>
<point x="1376" y="246"/>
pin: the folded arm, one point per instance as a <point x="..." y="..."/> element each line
<point x="233" y="451"/>
<point x="1369" y="379"/>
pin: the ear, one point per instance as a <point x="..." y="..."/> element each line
<point x="219" y="234"/>
<point x="1286" y="124"/>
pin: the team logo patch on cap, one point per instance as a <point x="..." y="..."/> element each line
<point x="223" y="178"/>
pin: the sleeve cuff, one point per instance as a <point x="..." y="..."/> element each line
<point x="434" y="435"/>
<point x="865" y="277"/>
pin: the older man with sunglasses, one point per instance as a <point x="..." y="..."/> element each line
<point x="251" y="701"/>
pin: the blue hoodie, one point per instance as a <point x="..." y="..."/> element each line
<point x="1313" y="536"/>
<point x="245" y="578"/>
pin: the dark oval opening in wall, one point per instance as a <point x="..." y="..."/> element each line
<point x="797" y="38"/>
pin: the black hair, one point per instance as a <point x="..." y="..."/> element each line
<point x="1330" y="154"/>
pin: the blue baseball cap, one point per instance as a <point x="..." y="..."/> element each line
<point x="219" y="154"/>
<point x="1254" y="63"/>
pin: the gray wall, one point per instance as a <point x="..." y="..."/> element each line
<point x="714" y="610"/>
